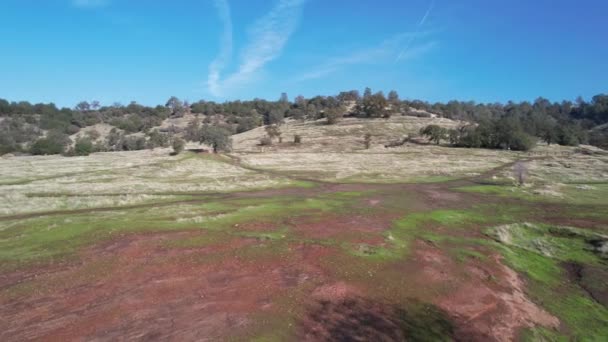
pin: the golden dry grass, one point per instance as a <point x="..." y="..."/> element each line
<point x="562" y="164"/>
<point x="330" y="153"/>
<point x="345" y="136"/>
<point x="33" y="184"/>
<point x="408" y="163"/>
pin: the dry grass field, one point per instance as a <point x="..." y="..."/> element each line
<point x="345" y="136"/>
<point x="39" y="184"/>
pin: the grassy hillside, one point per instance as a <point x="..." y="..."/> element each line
<point x="345" y="136"/>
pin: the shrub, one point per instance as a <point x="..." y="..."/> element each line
<point x="453" y="136"/>
<point x="275" y="117"/>
<point x="178" y="145"/>
<point x="216" y="137"/>
<point x="132" y="143"/>
<point x="72" y="129"/>
<point x="434" y="132"/>
<point x="131" y="123"/>
<point x="599" y="138"/>
<point x="100" y="146"/>
<point x="495" y="135"/>
<point x="54" y="143"/>
<point x="567" y="136"/>
<point x="246" y="124"/>
<point x="158" y="139"/>
<point x="418" y="114"/>
<point x="265" y="141"/>
<point x="93" y="134"/>
<point x="521" y="141"/>
<point x="193" y="130"/>
<point x="44" y="146"/>
<point x="4" y="149"/>
<point x="374" y="106"/>
<point x="83" y="147"/>
<point x="273" y="131"/>
<point x="333" y="115"/>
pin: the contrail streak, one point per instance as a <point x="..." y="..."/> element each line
<point x="418" y="27"/>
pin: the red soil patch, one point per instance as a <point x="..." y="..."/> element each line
<point x="336" y="292"/>
<point x="373" y="202"/>
<point x="256" y="226"/>
<point x="487" y="300"/>
<point x="438" y="193"/>
<point x="149" y="292"/>
<point x="344" y="226"/>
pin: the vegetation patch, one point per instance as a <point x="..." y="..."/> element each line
<point x="538" y="251"/>
<point x="578" y="194"/>
<point x="58" y="236"/>
<point x="561" y="243"/>
<point x="419" y="225"/>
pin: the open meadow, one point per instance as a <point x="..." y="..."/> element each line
<point x="321" y="241"/>
<point x="308" y="171"/>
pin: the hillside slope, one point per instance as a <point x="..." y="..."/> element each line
<point x="347" y="135"/>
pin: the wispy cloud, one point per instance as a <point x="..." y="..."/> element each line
<point x="216" y="67"/>
<point x="376" y="54"/>
<point x="267" y="39"/>
<point x="418" y="51"/>
<point x="421" y="23"/>
<point x="90" y="3"/>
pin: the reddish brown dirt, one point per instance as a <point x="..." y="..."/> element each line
<point x="486" y="299"/>
<point x="148" y="292"/>
<point x="344" y="226"/>
<point x="135" y="288"/>
<point x="256" y="226"/>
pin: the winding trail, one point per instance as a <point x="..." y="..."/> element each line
<point x="319" y="187"/>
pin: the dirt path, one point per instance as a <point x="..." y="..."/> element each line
<point x="442" y="190"/>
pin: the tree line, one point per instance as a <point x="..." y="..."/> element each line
<point x="564" y="123"/>
<point x="44" y="128"/>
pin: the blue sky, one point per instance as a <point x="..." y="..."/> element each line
<point x="64" y="51"/>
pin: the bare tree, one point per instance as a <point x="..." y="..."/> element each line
<point x="368" y="140"/>
<point x="83" y="106"/>
<point x="176" y="106"/>
<point x="95" y="105"/>
<point x="284" y="98"/>
<point x="520" y="171"/>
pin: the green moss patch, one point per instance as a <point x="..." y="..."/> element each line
<point x="561" y="243"/>
<point x="58" y="236"/>
<point x="538" y="251"/>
